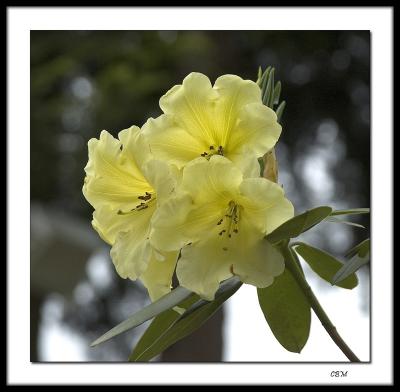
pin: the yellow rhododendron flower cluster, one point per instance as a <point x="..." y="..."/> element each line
<point x="184" y="192"/>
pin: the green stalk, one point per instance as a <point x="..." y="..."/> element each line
<point x="290" y="261"/>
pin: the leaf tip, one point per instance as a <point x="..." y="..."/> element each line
<point x="296" y="347"/>
<point x="94" y="343"/>
<point x="99" y="340"/>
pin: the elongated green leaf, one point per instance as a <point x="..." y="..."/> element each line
<point x="287" y="311"/>
<point x="362" y="249"/>
<point x="259" y="75"/>
<point x="183" y="326"/>
<point x="299" y="224"/>
<point x="264" y="80"/>
<point x="159" y="325"/>
<point x="360" y="258"/>
<point x="271" y="92"/>
<point x="324" y="265"/>
<point x="353" y="211"/>
<point x="225" y="286"/>
<point x="279" y="110"/>
<point x="334" y="219"/>
<point x="277" y="93"/>
<point x="269" y="88"/>
<point x="164" y="320"/>
<point x="353" y="265"/>
<point x="166" y="302"/>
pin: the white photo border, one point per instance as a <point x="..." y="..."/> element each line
<point x="20" y="20"/>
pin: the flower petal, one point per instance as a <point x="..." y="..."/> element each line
<point x="202" y="267"/>
<point x="233" y="94"/>
<point x="129" y="236"/>
<point x="109" y="223"/>
<point x="214" y="179"/>
<point x="162" y="177"/>
<point x="135" y="146"/>
<point x="132" y="252"/>
<point x="191" y="105"/>
<point x="259" y="265"/>
<point x="204" y="264"/>
<point x="111" y="178"/>
<point x="170" y="142"/>
<point x="265" y="204"/>
<point x="247" y="163"/>
<point x="257" y="129"/>
<point x="158" y="276"/>
<point x="177" y="222"/>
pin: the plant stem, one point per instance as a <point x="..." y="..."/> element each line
<point x="291" y="263"/>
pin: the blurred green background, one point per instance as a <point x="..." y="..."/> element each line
<point x="85" y="81"/>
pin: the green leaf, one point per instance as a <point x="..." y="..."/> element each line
<point x="324" y="264"/>
<point x="157" y="327"/>
<point x="279" y="110"/>
<point x="264" y="80"/>
<point x="164" y="320"/>
<point x="360" y="258"/>
<point x="353" y="265"/>
<point x="259" y="75"/>
<point x="277" y="93"/>
<point x="183" y="326"/>
<point x="362" y="249"/>
<point x="225" y="286"/>
<point x="353" y="211"/>
<point x="269" y="88"/>
<point x="271" y="92"/>
<point x="334" y="219"/>
<point x="287" y="311"/>
<point x="299" y="224"/>
<point x="166" y="302"/>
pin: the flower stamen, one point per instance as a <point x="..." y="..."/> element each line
<point x="219" y="151"/>
<point x="232" y="224"/>
<point x="147" y="199"/>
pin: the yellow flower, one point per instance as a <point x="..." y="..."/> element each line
<point x="219" y="220"/>
<point x="227" y="119"/>
<point x="124" y="185"/>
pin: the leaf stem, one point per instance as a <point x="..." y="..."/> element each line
<point x="291" y="263"/>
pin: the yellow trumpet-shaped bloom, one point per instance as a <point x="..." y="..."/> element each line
<point x="124" y="185"/>
<point x="218" y="219"/>
<point x="227" y="119"/>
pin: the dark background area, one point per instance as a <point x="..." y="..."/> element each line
<point x="86" y="81"/>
